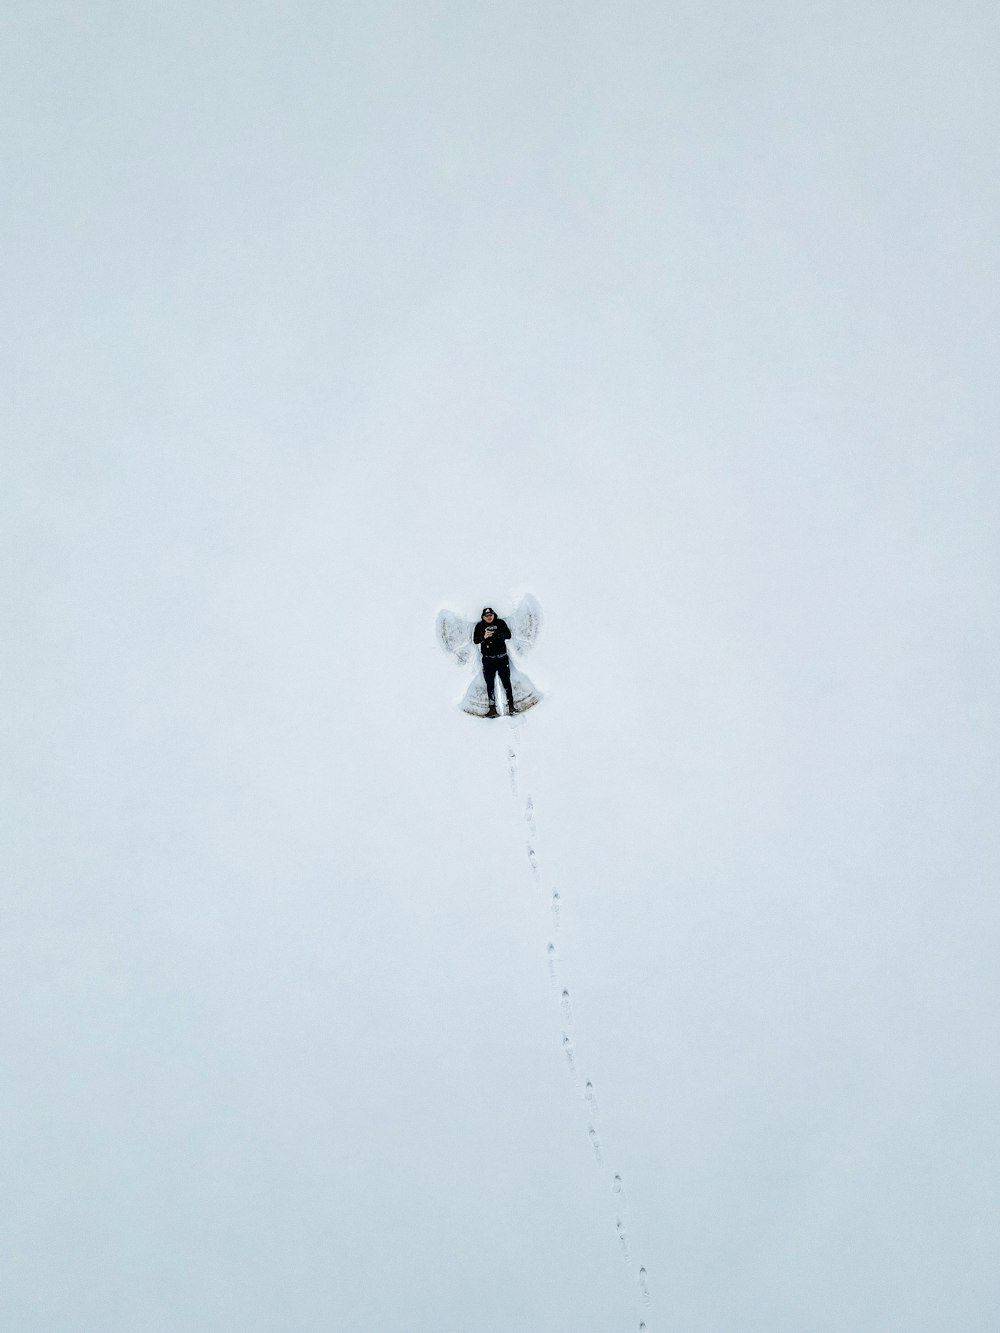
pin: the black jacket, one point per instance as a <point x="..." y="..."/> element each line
<point x="496" y="644"/>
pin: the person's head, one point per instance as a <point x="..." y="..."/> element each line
<point x="488" y="614"/>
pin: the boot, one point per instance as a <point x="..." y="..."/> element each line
<point x="493" y="711"/>
<point x="511" y="709"/>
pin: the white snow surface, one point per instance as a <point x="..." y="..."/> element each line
<point x="329" y="1007"/>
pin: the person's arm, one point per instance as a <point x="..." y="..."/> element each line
<point x="504" y="629"/>
<point x="477" y="633"/>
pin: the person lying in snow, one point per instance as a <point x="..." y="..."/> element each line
<point x="492" y="634"/>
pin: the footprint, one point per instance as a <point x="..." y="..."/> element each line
<point x="569" y="1053"/>
<point x="620" y="1198"/>
<point x="529" y="814"/>
<point x="644" y="1288"/>
<point x="595" y="1143"/>
<point x="590" y="1098"/>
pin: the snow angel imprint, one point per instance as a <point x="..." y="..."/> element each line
<point x="494" y="637"/>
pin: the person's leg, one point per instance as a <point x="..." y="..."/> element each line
<point x="490" y="674"/>
<point x="504" y="670"/>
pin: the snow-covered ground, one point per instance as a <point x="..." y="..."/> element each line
<point x="682" y="319"/>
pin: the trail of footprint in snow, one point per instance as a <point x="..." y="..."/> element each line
<point x="617" y="1186"/>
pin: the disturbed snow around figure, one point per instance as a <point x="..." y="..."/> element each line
<point x="492" y="635"/>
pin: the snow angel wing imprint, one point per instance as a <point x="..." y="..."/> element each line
<point x="455" y="635"/>
<point x="525" y="623"/>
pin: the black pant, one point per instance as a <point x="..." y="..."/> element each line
<point x="498" y="666"/>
